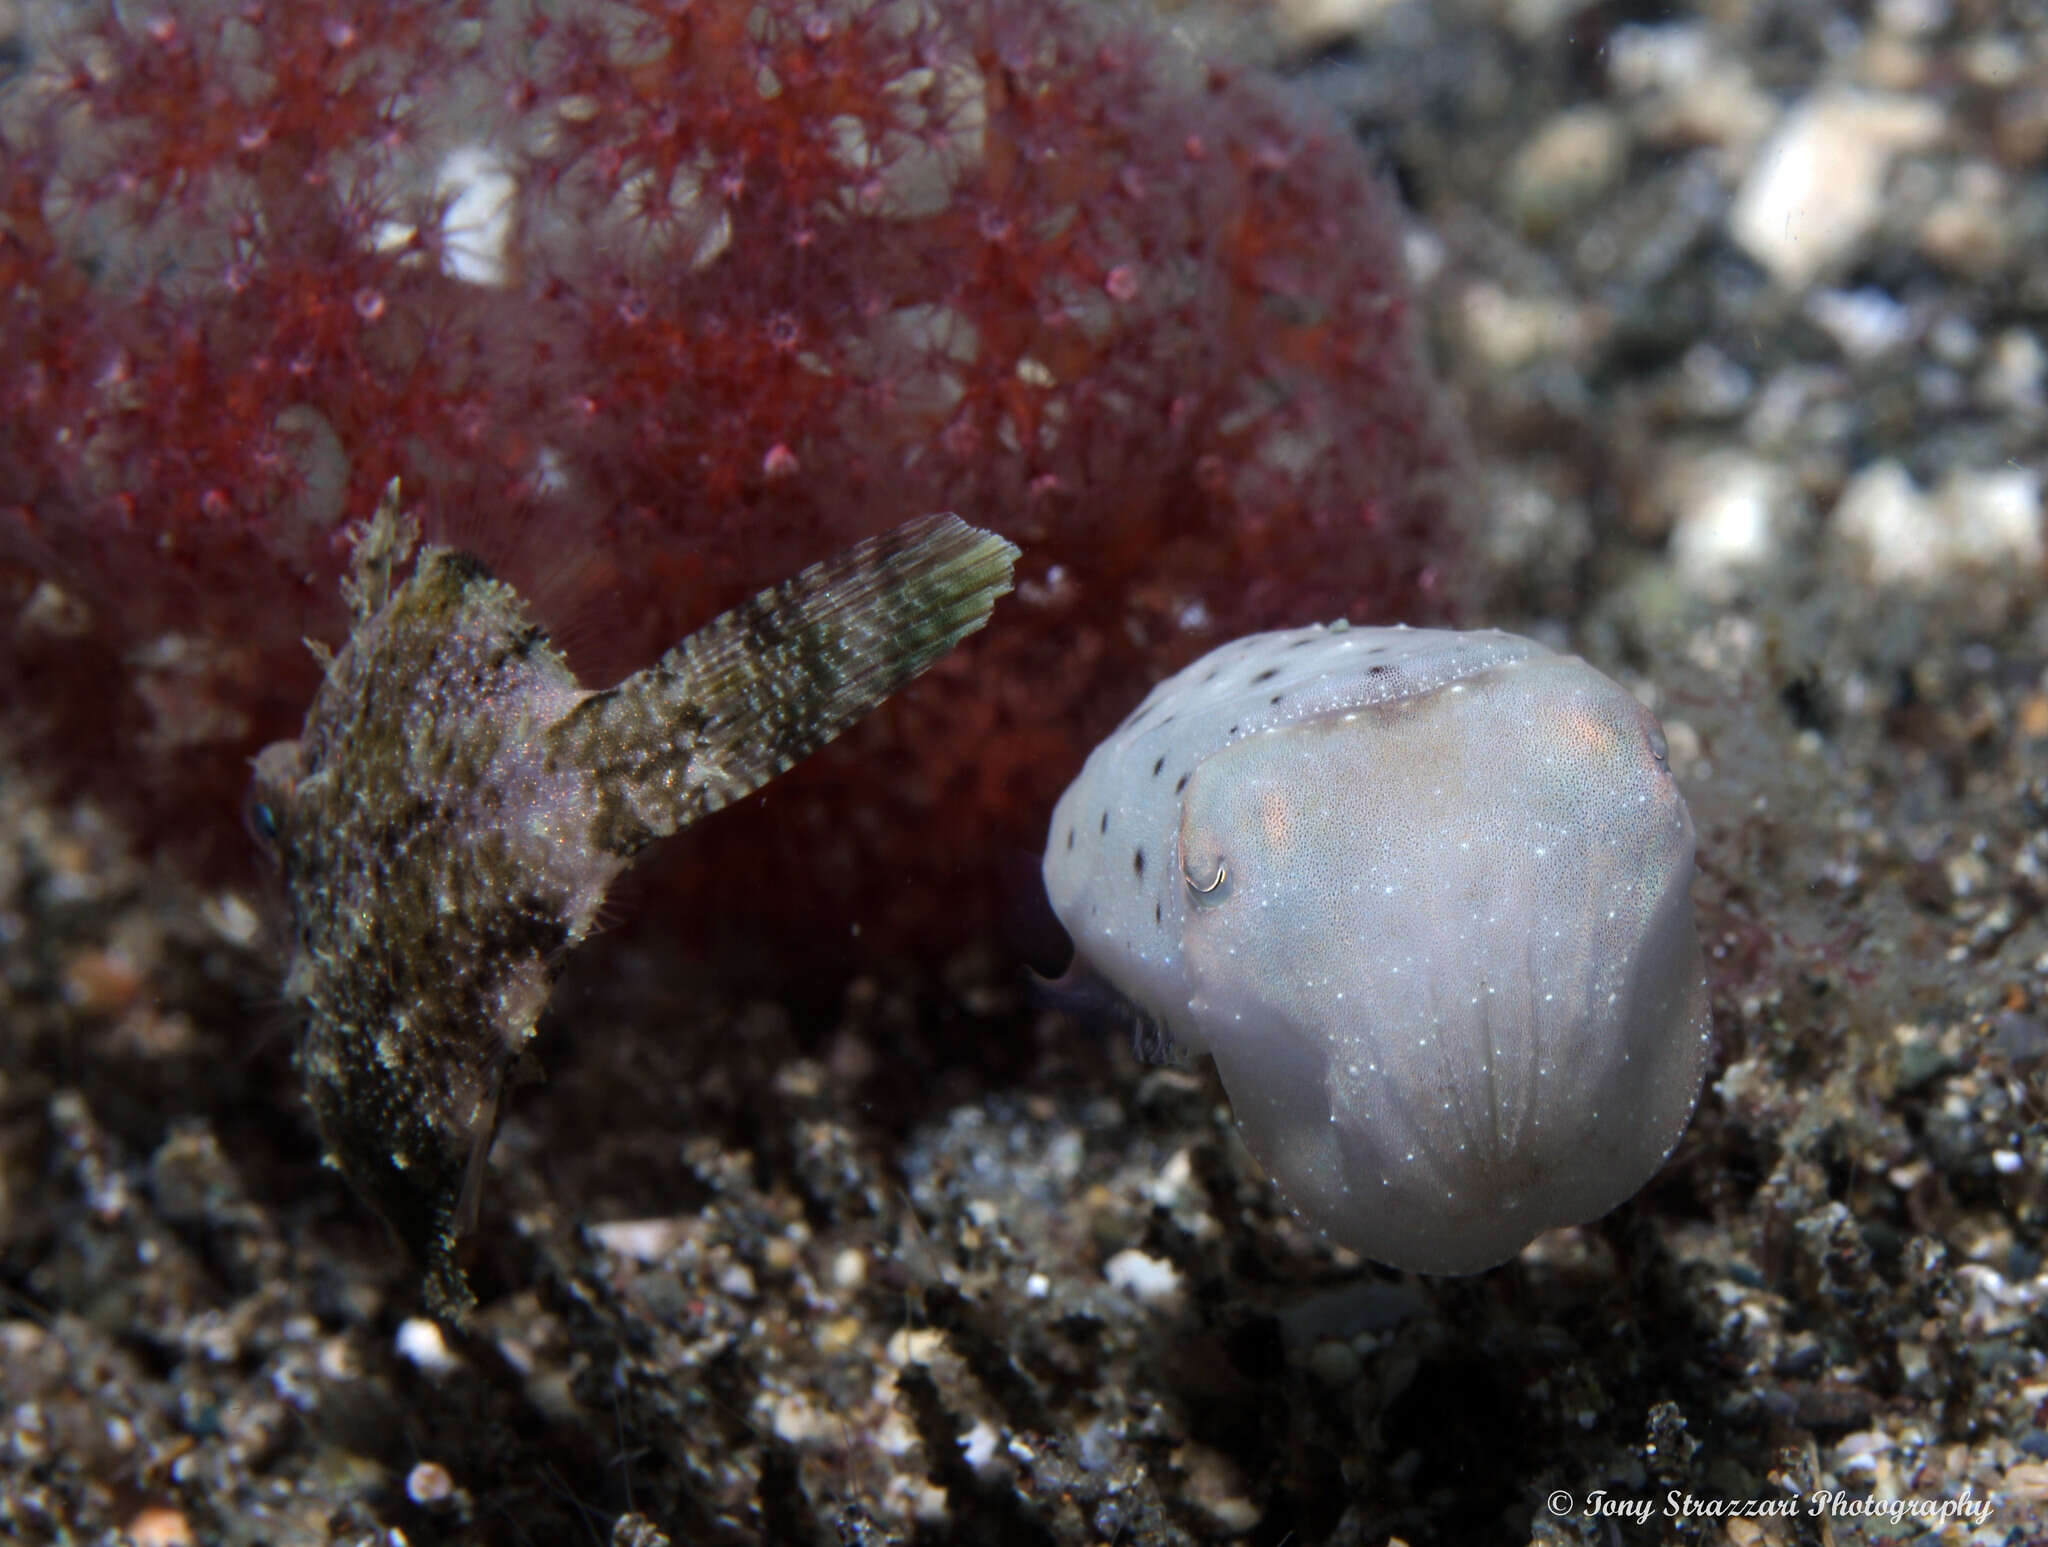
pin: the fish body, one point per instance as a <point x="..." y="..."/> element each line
<point x="1424" y="896"/>
<point x="457" y="805"/>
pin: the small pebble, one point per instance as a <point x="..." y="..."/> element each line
<point x="1976" y="522"/>
<point x="158" y="1525"/>
<point x="1864" y="323"/>
<point x="642" y="1240"/>
<point x="1815" y="191"/>
<point x="849" y="1269"/>
<point x="429" y="1483"/>
<point x="1571" y="161"/>
<point x="737" y="1280"/>
<point x="978" y="1445"/>
<point x="421" y="1342"/>
<point x="1151" y="1279"/>
<point x="1728" y="510"/>
<point x="1335" y="1363"/>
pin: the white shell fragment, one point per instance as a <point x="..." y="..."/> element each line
<point x="1424" y="897"/>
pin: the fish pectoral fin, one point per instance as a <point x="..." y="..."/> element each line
<point x="470" y="1199"/>
<point x="763" y="686"/>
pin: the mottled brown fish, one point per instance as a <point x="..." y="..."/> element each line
<point x="458" y="804"/>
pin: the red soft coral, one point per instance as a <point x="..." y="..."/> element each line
<point x="651" y="304"/>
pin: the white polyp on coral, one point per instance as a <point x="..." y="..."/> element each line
<point x="476" y="227"/>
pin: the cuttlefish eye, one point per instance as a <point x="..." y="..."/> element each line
<point x="1432" y="920"/>
<point x="1212" y="892"/>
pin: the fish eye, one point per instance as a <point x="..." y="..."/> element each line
<point x="260" y="817"/>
